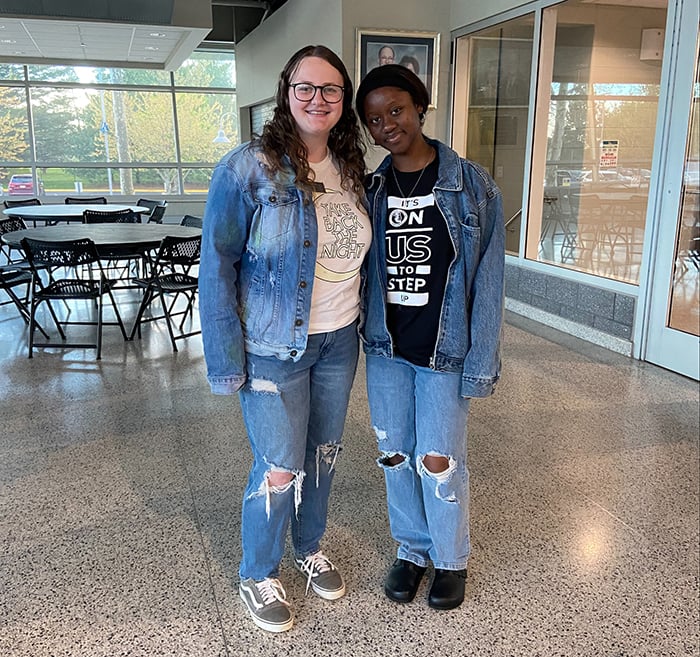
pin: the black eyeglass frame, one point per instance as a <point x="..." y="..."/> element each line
<point x="317" y="88"/>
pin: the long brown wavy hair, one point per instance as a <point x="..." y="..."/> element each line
<point x="280" y="138"/>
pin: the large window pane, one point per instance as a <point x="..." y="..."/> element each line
<point x="596" y="143"/>
<point x="11" y="72"/>
<point x="107" y="181"/>
<point x="140" y="135"/>
<point x="14" y="126"/>
<point x="197" y="180"/>
<point x="88" y="74"/>
<point x="207" y="69"/>
<point x="684" y="312"/>
<point x="208" y="125"/>
<point x="498" y="92"/>
<point x="66" y="124"/>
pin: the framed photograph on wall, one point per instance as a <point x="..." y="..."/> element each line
<point x="419" y="51"/>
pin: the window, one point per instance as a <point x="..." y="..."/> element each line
<point x="498" y="61"/>
<point x="117" y="131"/>
<point x="593" y="146"/>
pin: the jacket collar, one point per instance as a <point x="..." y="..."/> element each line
<point x="449" y="170"/>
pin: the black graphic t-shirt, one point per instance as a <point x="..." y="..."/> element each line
<point x="419" y="252"/>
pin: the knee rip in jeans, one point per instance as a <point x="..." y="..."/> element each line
<point x="328" y="455"/>
<point x="264" y="385"/>
<point x="296" y="478"/>
<point x="441" y="478"/>
<point x="394" y="460"/>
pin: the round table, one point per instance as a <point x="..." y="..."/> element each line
<point x="107" y="237"/>
<point x="67" y="212"/>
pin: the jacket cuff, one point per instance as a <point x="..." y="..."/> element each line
<point x="226" y="385"/>
<point x="478" y="387"/>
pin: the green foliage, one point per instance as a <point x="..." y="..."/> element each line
<point x="107" y="126"/>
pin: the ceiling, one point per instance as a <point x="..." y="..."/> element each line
<point x="157" y="34"/>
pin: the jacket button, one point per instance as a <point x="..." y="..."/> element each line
<point x="298" y="323"/>
<point x="302" y="284"/>
<point x="272" y="199"/>
<point x="293" y="353"/>
<point x="307" y="243"/>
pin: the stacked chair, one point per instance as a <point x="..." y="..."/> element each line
<point x="171" y="277"/>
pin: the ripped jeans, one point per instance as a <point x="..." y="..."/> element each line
<point x="294" y="414"/>
<point x="417" y="412"/>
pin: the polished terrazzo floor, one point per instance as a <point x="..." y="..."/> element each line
<point x="120" y="484"/>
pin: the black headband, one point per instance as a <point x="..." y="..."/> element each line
<point x="391" y="75"/>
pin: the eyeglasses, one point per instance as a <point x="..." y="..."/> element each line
<point x="331" y="93"/>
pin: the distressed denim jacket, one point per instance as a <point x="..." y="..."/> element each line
<point x="469" y="332"/>
<point x="256" y="275"/>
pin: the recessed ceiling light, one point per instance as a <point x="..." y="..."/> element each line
<point x="151" y="48"/>
<point x="8" y="40"/>
<point x="159" y="35"/>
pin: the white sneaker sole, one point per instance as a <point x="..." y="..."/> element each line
<point x="328" y="595"/>
<point x="322" y="593"/>
<point x="264" y="625"/>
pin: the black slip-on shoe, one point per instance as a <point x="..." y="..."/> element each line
<point x="402" y="581"/>
<point x="447" y="590"/>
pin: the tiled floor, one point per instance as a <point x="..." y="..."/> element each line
<point x="120" y="485"/>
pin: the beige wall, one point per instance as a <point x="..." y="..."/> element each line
<point x="262" y="54"/>
<point x="464" y="12"/>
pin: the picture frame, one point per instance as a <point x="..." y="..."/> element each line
<point x="413" y="49"/>
<point x="500" y="72"/>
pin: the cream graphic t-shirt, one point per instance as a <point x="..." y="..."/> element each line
<point x="344" y="235"/>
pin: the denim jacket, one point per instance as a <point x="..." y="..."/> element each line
<point x="469" y="332"/>
<point x="256" y="275"/>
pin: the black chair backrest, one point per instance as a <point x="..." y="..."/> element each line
<point x="72" y="253"/>
<point x="182" y="251"/>
<point x="20" y="203"/>
<point x="84" y="200"/>
<point x="111" y="217"/>
<point x="193" y="222"/>
<point x="156" y="216"/>
<point x="11" y="224"/>
<point x="147" y="203"/>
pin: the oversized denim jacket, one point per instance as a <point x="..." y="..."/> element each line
<point x="469" y="332"/>
<point x="257" y="266"/>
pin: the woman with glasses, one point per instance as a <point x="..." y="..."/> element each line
<point x="284" y="235"/>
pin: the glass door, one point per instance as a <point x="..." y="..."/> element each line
<point x="674" y="280"/>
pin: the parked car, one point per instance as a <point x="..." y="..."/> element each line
<point x="22" y="183"/>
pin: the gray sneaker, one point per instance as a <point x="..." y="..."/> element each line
<point x="267" y="603"/>
<point x="322" y="576"/>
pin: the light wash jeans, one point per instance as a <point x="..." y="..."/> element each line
<point x="417" y="411"/>
<point x="294" y="414"/>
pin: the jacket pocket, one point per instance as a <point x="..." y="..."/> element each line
<point x="275" y="213"/>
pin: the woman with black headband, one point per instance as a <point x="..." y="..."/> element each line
<point x="431" y="324"/>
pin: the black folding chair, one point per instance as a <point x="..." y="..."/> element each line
<point x="12" y="255"/>
<point x="190" y="220"/>
<point x="156" y="216"/>
<point x="8" y="203"/>
<point x="73" y="258"/>
<point x="10" y="278"/>
<point x="123" y="265"/>
<point x="176" y="256"/>
<point x="85" y="200"/>
<point x="157" y="209"/>
<point x="22" y="203"/>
